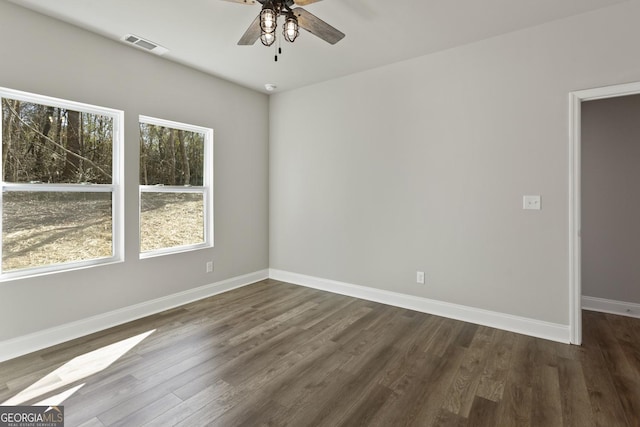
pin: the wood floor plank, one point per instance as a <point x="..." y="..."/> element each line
<point x="276" y="354"/>
<point x="444" y="337"/>
<point x="93" y="422"/>
<point x="351" y="393"/>
<point x="350" y="333"/>
<point x="308" y="401"/>
<point x="392" y="332"/>
<point x="213" y="396"/>
<point x="223" y="364"/>
<point x="605" y="404"/>
<point x="628" y="337"/>
<point x="546" y="402"/>
<point x="273" y="324"/>
<point x="326" y="310"/>
<point x="466" y="335"/>
<point x="611" y="348"/>
<point x="515" y="406"/>
<point x="307" y="378"/>
<point x="366" y="410"/>
<point x="576" y="408"/>
<point x="351" y="313"/>
<point x="496" y="369"/>
<point x="462" y="392"/>
<point x="408" y="347"/>
<point x="251" y="414"/>
<point x="81" y="408"/>
<point x="271" y="367"/>
<point x="447" y="419"/>
<point x="483" y="413"/>
<point x="421" y="390"/>
<point x="628" y="390"/>
<point x="152" y="410"/>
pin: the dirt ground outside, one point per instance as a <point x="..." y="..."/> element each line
<point x="41" y="229"/>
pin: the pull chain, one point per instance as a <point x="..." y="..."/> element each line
<point x="278" y="46"/>
<point x="277" y="42"/>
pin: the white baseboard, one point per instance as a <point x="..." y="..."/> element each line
<point x="19" y="346"/>
<point x="508" y="322"/>
<point x="603" y="305"/>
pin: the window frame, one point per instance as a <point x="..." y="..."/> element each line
<point x="115" y="188"/>
<point x="206" y="189"/>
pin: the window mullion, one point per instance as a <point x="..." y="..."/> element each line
<point x="170" y="189"/>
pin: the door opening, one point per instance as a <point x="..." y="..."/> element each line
<point x="575" y="214"/>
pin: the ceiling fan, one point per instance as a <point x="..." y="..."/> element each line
<point x="265" y="25"/>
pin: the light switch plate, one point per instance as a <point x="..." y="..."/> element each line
<point x="531" y="203"/>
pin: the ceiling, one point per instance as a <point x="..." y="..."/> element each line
<point x="203" y="33"/>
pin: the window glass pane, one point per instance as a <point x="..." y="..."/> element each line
<point x="41" y="229"/>
<point x="169" y="220"/>
<point x="48" y="144"/>
<point x="170" y="156"/>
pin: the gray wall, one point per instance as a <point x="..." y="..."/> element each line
<point x="611" y="199"/>
<point x="422" y="165"/>
<point x="45" y="56"/>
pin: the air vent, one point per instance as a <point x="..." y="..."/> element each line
<point x="147" y="45"/>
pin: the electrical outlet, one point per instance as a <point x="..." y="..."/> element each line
<point x="420" y="277"/>
<point x="531" y="203"/>
<point x="209" y="266"/>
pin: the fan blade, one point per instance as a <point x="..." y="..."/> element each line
<point x="305" y="2"/>
<point x="252" y="34"/>
<point x="242" y="1"/>
<point x="317" y="26"/>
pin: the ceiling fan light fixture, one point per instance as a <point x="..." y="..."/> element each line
<point x="291" y="28"/>
<point x="267" y="39"/>
<point x="264" y="25"/>
<point x="268" y="18"/>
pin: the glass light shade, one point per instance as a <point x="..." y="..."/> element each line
<point x="291" y="28"/>
<point x="267" y="39"/>
<point x="268" y="20"/>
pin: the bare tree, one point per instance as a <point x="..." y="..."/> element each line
<point x="72" y="163"/>
<point x="186" y="171"/>
<point x="144" y="153"/>
<point x="171" y="145"/>
<point x="37" y="147"/>
<point x="7" y="137"/>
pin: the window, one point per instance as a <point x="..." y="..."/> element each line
<point x="176" y="175"/>
<point x="61" y="198"/>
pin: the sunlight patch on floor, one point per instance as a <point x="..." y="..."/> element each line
<point x="57" y="399"/>
<point x="74" y="370"/>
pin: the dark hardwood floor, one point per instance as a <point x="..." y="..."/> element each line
<point x="275" y="354"/>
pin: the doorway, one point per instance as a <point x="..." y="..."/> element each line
<point x="575" y="195"/>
